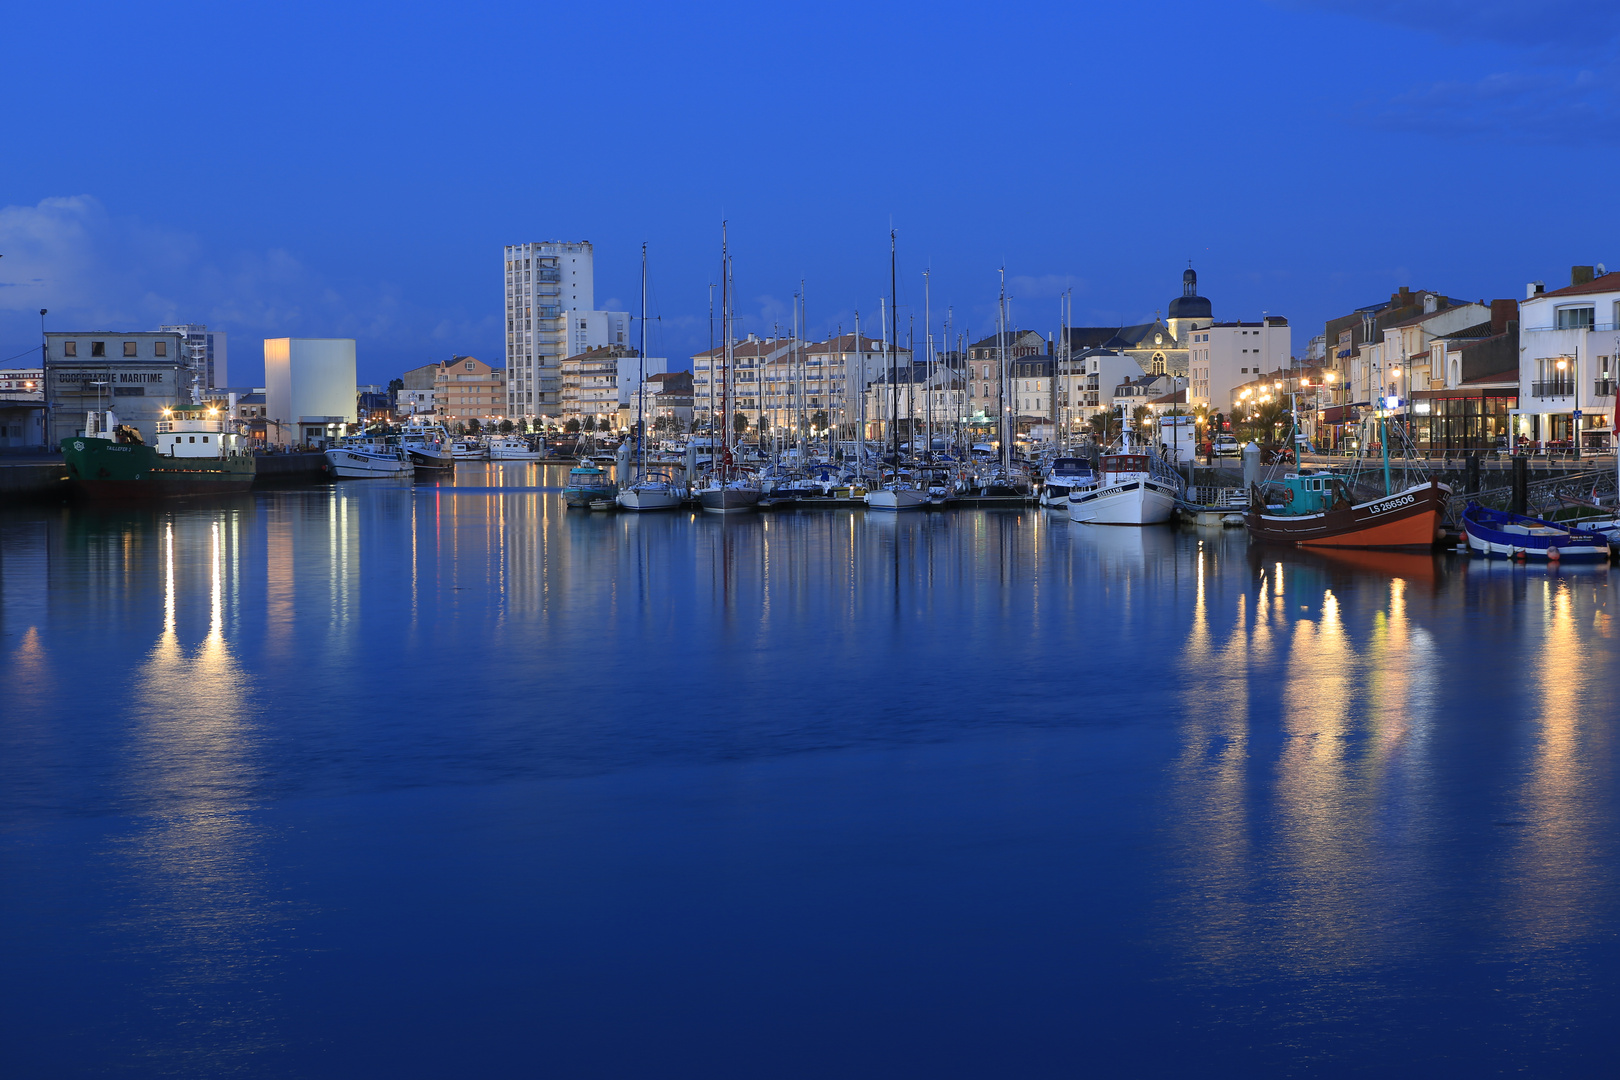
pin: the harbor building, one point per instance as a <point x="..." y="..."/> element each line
<point x="135" y="374"/>
<point x="935" y="397"/>
<point x="1224" y="356"/>
<point x="415" y="398"/>
<point x="22" y="408"/>
<point x="1569" y="351"/>
<point x="309" y="389"/>
<point x="550" y="315"/>
<point x="465" y="388"/>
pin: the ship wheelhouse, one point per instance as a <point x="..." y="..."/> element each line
<point x="199" y="433"/>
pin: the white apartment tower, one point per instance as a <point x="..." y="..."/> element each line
<point x="550" y="314"/>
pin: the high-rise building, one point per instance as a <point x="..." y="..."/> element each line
<point x="204" y="352"/>
<point x="551" y="313"/>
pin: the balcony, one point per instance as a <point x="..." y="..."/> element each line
<point x="1553" y="388"/>
<point x="1603" y="388"/>
<point x="548" y="275"/>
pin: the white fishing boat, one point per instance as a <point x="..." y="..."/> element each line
<point x="469" y="450"/>
<point x="1133" y="488"/>
<point x="428" y="446"/>
<point x="512" y="448"/>
<point x="359" y="458"/>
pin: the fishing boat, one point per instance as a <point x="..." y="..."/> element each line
<point x="1323" y="509"/>
<point x="1515" y="536"/>
<point x="468" y="450"/>
<point x="587" y="483"/>
<point x="1134" y="487"/>
<point x="198" y="452"/>
<point x="428" y="446"/>
<point x="361" y="458"/>
<point x="512" y="448"/>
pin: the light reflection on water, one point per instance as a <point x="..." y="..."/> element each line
<point x="1348" y="758"/>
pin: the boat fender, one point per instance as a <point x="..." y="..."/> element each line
<point x="1552" y="554"/>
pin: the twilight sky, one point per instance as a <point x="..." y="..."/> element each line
<point x="343" y="169"/>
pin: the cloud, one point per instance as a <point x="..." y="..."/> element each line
<point x="94" y="270"/>
<point x="1556" y="79"/>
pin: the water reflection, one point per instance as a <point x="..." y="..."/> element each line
<point x="200" y="916"/>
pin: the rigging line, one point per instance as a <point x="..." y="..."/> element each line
<point x="31" y="349"/>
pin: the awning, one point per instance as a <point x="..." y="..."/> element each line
<point x="1344" y="354"/>
<point x="1333" y="414"/>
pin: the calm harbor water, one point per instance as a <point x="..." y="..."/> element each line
<point x="382" y="779"/>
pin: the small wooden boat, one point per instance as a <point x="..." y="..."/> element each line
<point x="1515" y="536"/>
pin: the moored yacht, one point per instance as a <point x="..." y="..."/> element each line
<point x="512" y="448"/>
<point x="1066" y="476"/>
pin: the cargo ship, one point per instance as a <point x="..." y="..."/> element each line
<point x="196" y="452"/>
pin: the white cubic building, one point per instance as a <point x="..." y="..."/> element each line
<point x="1223" y="356"/>
<point x="309" y="389"/>
<point x="550" y="314"/>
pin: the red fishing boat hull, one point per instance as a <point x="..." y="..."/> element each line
<point x="1406" y="519"/>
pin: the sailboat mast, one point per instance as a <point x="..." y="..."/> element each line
<point x="1001" y="362"/>
<point x="725" y="364"/>
<point x="928" y="368"/>
<point x="641" y="369"/>
<point x="894" y="358"/>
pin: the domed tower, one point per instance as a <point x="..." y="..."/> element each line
<point x="1189" y="311"/>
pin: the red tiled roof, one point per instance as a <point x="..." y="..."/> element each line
<point x="1606" y="283"/>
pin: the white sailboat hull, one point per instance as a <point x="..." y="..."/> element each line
<point x="649" y="499"/>
<point x="897" y="500"/>
<point x="1124" y="502"/>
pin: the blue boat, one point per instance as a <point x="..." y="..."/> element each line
<point x="1514" y="536"/>
<point x="588" y="483"/>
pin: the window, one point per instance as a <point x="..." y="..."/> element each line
<point x="98" y="348"/>
<point x="129" y="348"/>
<point x="160" y="348"/>
<point x="1575" y="318"/>
<point x="70" y="348"/>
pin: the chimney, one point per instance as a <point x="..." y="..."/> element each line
<point x="1502" y="313"/>
<point x="1534" y="289"/>
<point x="1431" y="303"/>
<point x="1580" y="275"/>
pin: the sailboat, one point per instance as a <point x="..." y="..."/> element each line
<point x="646" y="490"/>
<point x="899" y="493"/>
<point x="727" y="490"/>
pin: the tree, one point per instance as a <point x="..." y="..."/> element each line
<point x="506" y="427"/>
<point x="665" y="425"/>
<point x="1104" y="425"/>
<point x="588" y="424"/>
<point x="473" y="425"/>
<point x="523" y="425"/>
<point x="818" y="420"/>
<point x="395" y="384"/>
<point x="572" y="427"/>
<point x="739" y="423"/>
<point x="460" y="428"/>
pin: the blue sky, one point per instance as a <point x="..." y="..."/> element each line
<point x="354" y="170"/>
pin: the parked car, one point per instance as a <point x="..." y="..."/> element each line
<point x="1226" y="446"/>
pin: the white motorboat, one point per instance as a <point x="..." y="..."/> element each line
<point x="469" y="450"/>
<point x="512" y="448"/>
<point x="1134" y="488"/>
<point x="355" y="459"/>
<point x="1066" y="476"/>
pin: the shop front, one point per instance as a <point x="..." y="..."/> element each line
<point x="1466" y="418"/>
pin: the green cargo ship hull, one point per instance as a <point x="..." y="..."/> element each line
<point x="104" y="469"/>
